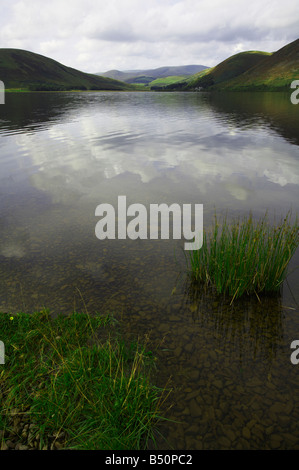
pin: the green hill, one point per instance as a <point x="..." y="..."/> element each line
<point x="230" y="68"/>
<point x="275" y="72"/>
<point x="160" y="82"/>
<point x="252" y="70"/>
<point x="26" y="70"/>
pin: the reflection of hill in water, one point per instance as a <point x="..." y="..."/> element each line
<point x="254" y="110"/>
<point x="29" y="111"/>
<point x="25" y="112"/>
<point x="250" y="328"/>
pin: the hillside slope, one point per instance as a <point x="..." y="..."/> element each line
<point x="230" y="68"/>
<point x="249" y="71"/>
<point x="30" y="71"/>
<point x="275" y="72"/>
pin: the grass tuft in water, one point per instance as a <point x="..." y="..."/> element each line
<point x="246" y="256"/>
<point x="66" y="381"/>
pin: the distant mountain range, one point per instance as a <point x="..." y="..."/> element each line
<point x="148" y="76"/>
<point x="26" y="70"/>
<point x="248" y="71"/>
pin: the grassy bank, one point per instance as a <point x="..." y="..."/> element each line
<point x="71" y="382"/>
<point x="245" y="256"/>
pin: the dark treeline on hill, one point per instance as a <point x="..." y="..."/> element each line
<point x="248" y="71"/>
<point x="26" y="70"/>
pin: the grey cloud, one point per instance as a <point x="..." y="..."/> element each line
<point x="117" y="36"/>
<point x="100" y="35"/>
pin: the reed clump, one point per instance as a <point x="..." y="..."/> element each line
<point x="245" y="256"/>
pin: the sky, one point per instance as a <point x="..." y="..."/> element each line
<point x="99" y="35"/>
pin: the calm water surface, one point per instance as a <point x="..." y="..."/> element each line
<point x="62" y="154"/>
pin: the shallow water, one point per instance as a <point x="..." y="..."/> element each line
<point x="62" y="154"/>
